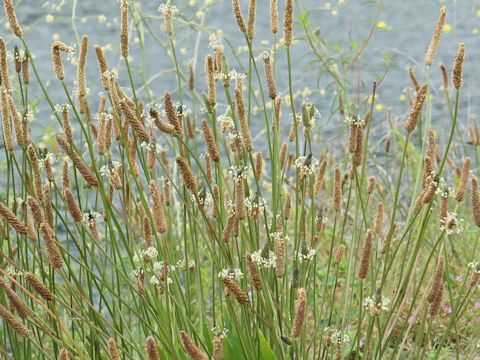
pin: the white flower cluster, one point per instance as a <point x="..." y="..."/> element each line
<point x="321" y="218"/>
<point x="153" y="146"/>
<point x="279" y="236"/>
<point x="305" y="256"/>
<point x="137" y="272"/>
<point x="161" y="267"/>
<point x="90" y="216"/>
<point x="182" y="264"/>
<point x="336" y="337"/>
<point x="230" y="207"/>
<point x="12" y="271"/>
<point x="155" y="280"/>
<point x="475" y="266"/>
<point x="354" y="119"/>
<point x="47" y="157"/>
<point x="108" y="170"/>
<point x="232" y="75"/>
<point x="232" y="273"/>
<point x="441" y="186"/>
<point x="109" y="75"/>
<point x="265" y="262"/>
<point x="30" y="116"/>
<point x="167" y="8"/>
<point x="451" y="224"/>
<point x="219" y="332"/>
<point x="145" y="255"/>
<point x="226" y="122"/>
<point x="59" y="108"/>
<point x="306" y="164"/>
<point x="254" y="204"/>
<point x="238" y="172"/>
<point x="375" y="305"/>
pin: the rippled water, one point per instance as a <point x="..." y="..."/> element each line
<point x="406" y="30"/>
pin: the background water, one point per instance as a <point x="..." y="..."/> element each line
<point x="402" y="36"/>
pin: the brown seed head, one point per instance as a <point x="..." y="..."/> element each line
<point x="6" y="123"/>
<point x="337" y="189"/>
<point x="210" y="78"/>
<point x="212" y="149"/>
<point x="112" y="349"/>
<point x="433" y="46"/>
<point x="57" y="48"/>
<point x="12" y="18"/>
<point x="82" y="59"/>
<point x="288" y="24"/>
<point x="436" y="284"/>
<point x="77" y="160"/>
<point x="416" y="109"/>
<point x="124" y="28"/>
<point x="300" y="312"/>
<point x="191" y="349"/>
<point x="187" y="173"/>
<point x="151" y="347"/>
<point x="239" y="16"/>
<point x="252" y="9"/>
<point x="54" y="255"/>
<point x="158" y="212"/>
<point x="272" y="90"/>
<point x="274" y="15"/>
<point x="244" y="128"/>
<point x="14" y="323"/>
<point x="254" y="277"/>
<point x="458" y="66"/>
<point x="462" y="186"/>
<point x="475" y="201"/>
<point x="72" y="205"/>
<point x="366" y="253"/>
<point x="235" y="290"/>
<point x="39" y="287"/>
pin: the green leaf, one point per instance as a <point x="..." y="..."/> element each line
<point x="266" y="351"/>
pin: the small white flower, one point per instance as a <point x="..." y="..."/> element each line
<point x="90" y="216"/>
<point x="109" y="170"/>
<point x="279" y="236"/>
<point x="219" y="332"/>
<point x="181" y="264"/>
<point x="226" y="122"/>
<point x="10" y="269"/>
<point x="167" y="8"/>
<point x="238" y="172"/>
<point x="269" y="261"/>
<point x="306" y="164"/>
<point x="305" y="255"/>
<point x="475" y="266"/>
<point x="376" y="304"/>
<point x="255" y="205"/>
<point x="451" y="224"/>
<point x="46" y="157"/>
<point x="232" y="273"/>
<point x="354" y="119"/>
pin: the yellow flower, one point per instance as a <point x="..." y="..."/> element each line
<point x="475" y="31"/>
<point x="478" y="13"/>
<point x="382" y="25"/>
<point x="379" y="107"/>
<point x="402" y="97"/>
<point x="101" y="19"/>
<point x="50" y="18"/>
<point x="447" y="28"/>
